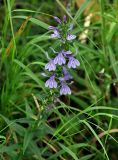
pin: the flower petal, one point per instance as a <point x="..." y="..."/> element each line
<point x="50" y="66"/>
<point x="57" y="19"/>
<point x="71" y="37"/>
<point x="51" y="83"/>
<point x="59" y="59"/>
<point x="73" y="62"/>
<point x="64" y="89"/>
<point x="64" y="18"/>
<point x="55" y="34"/>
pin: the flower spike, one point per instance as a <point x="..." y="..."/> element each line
<point x="64" y="58"/>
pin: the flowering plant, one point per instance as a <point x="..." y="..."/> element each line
<point x="64" y="60"/>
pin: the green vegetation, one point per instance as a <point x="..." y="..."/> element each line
<point x="81" y="126"/>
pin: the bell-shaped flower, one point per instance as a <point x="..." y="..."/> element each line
<point x="57" y="19"/>
<point x="55" y="34"/>
<point x="52" y="28"/>
<point x="64" y="89"/>
<point x="50" y="66"/>
<point x="51" y="83"/>
<point x="59" y="59"/>
<point x="70" y="27"/>
<point x="66" y="74"/>
<point x="64" y="18"/>
<point x="70" y="37"/>
<point x="73" y="62"/>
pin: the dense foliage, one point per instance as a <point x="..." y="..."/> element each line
<point x="34" y="123"/>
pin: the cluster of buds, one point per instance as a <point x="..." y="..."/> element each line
<point x="64" y="59"/>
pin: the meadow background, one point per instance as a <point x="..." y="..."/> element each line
<point x="82" y="126"/>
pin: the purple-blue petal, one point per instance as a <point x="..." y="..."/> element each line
<point x="71" y="37"/>
<point x="52" y="28"/>
<point x="64" y="18"/>
<point x="73" y="62"/>
<point x="51" y="83"/>
<point x="57" y="19"/>
<point x="55" y="34"/>
<point x="70" y="27"/>
<point x="59" y="59"/>
<point x="67" y="75"/>
<point x="64" y="89"/>
<point x="50" y="66"/>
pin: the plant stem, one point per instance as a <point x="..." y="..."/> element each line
<point x="103" y="32"/>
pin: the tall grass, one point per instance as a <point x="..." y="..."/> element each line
<point x="82" y="126"/>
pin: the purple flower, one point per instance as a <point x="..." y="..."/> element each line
<point x="70" y="37"/>
<point x="55" y="34"/>
<point x="67" y="76"/>
<point x="67" y="53"/>
<point x="59" y="59"/>
<point x="64" y="89"/>
<point x="52" y="28"/>
<point x="57" y="19"/>
<point x="73" y="62"/>
<point x="65" y="58"/>
<point x="51" y="83"/>
<point x="64" y="18"/>
<point x="70" y="27"/>
<point x="50" y="66"/>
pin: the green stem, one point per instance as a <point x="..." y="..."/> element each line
<point x="110" y="125"/>
<point x="103" y="31"/>
<point x="10" y="4"/>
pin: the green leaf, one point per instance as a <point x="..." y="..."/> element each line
<point x="2" y="140"/>
<point x="96" y="136"/>
<point x="81" y="9"/>
<point x="35" y="21"/>
<point x="87" y="157"/>
<point x="67" y="150"/>
<point x="113" y="61"/>
<point x="27" y="138"/>
<point x="31" y="74"/>
<point x="39" y="39"/>
<point x="112" y="30"/>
